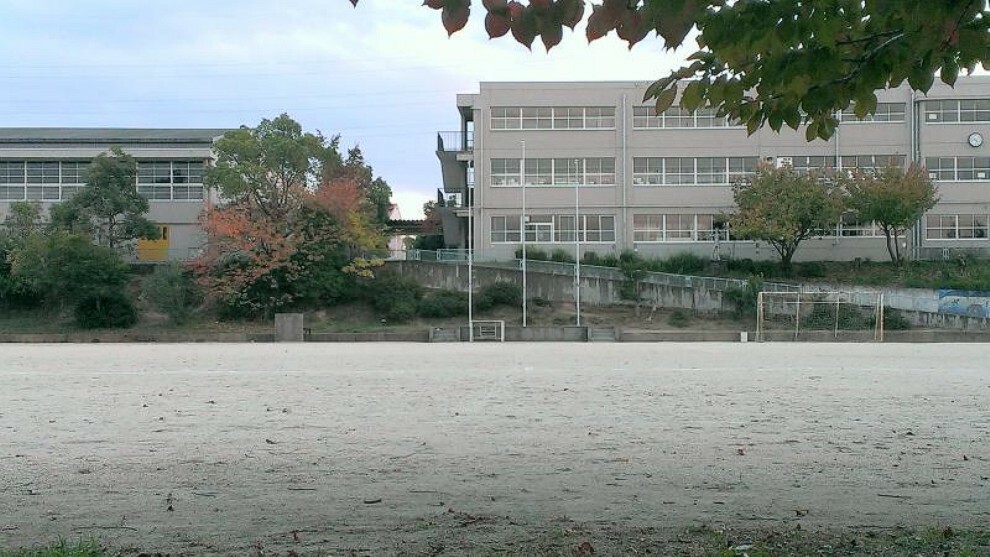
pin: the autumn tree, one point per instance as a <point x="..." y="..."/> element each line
<point x="783" y="207"/>
<point x="288" y="231"/>
<point x="109" y="206"/>
<point x="893" y="198"/>
<point x="781" y="62"/>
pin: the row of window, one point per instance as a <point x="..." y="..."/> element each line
<point x="647" y="228"/>
<point x="958" y="169"/>
<point x="59" y="180"/>
<point x="549" y="229"/>
<point x="952" y="227"/>
<point x="675" y="117"/>
<point x="691" y="170"/>
<point x="554" y="172"/>
<point x="553" y="118"/>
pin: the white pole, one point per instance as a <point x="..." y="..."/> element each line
<point x="468" y="192"/>
<point x="525" y="225"/>
<point x="577" y="241"/>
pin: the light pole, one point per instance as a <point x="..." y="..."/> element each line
<point x="577" y="239"/>
<point x="524" y="224"/>
<point x="470" y="195"/>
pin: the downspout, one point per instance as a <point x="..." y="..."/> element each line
<point x="915" y="114"/>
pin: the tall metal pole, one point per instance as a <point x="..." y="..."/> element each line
<point x="577" y="240"/>
<point x="470" y="195"/>
<point x="525" y="225"/>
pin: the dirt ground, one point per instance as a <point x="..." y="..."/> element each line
<point x="380" y="449"/>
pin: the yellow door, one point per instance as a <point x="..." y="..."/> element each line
<point x="154" y="250"/>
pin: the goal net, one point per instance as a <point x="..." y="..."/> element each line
<point x="492" y="330"/>
<point x="794" y="316"/>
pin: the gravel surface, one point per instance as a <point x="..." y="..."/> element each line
<point x="456" y="448"/>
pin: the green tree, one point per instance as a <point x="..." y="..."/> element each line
<point x="768" y="62"/>
<point x="66" y="268"/>
<point x="24" y="219"/>
<point x="294" y="225"/>
<point x="892" y="198"/>
<point x="783" y="207"/>
<point x="109" y="206"/>
<point x="173" y="291"/>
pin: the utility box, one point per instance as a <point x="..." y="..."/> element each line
<point x="289" y="327"/>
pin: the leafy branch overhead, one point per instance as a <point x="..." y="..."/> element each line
<point x="776" y="63"/>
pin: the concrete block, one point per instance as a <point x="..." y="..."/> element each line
<point x="289" y="327"/>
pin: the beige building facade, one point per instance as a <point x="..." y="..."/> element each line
<point x="593" y="160"/>
<point x="48" y="165"/>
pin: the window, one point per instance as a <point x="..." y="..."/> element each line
<point x="647" y="228"/>
<point x="686" y="170"/>
<point x="645" y="117"/>
<point x="812" y="163"/>
<point x="951" y="227"/>
<point x="950" y="111"/>
<point x="851" y="227"/>
<point x="548" y="229"/>
<point x="505" y="229"/>
<point x="886" y="112"/>
<point x="553" y="118"/>
<point x="505" y="172"/>
<point x="554" y="172"/>
<point x="680" y="228"/>
<point x="871" y="162"/>
<point x="539" y="172"/>
<point x="958" y="169"/>
<point x="168" y="180"/>
<point x="12" y="180"/>
<point x="43" y="180"/>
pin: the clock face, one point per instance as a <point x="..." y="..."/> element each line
<point x="975" y="139"/>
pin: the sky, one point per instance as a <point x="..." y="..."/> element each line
<point x="383" y="75"/>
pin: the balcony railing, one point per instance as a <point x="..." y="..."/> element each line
<point x="456" y="142"/>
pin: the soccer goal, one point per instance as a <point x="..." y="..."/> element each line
<point x="794" y="316"/>
<point x="491" y="330"/>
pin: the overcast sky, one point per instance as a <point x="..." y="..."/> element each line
<point x="383" y="75"/>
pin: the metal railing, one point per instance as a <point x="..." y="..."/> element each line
<point x="455" y="141"/>
<point x="450" y="255"/>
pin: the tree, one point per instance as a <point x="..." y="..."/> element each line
<point x="109" y="206"/>
<point x="432" y="237"/>
<point x="892" y="198"/>
<point x="784" y="207"/>
<point x="768" y="62"/>
<point x="23" y="220"/>
<point x="67" y="268"/>
<point x="290" y="230"/>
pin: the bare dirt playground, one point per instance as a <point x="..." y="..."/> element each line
<point x="372" y="449"/>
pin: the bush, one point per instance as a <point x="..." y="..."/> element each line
<point x="684" y="264"/>
<point x="534" y="254"/>
<point x="503" y="293"/>
<point x="591" y="258"/>
<point x="15" y="292"/>
<point x="105" y="311"/>
<point x="172" y="291"/>
<point x="445" y="303"/>
<point x="744" y="299"/>
<point x="562" y="256"/>
<point x="679" y="318"/>
<point x="752" y="268"/>
<point x="64" y="269"/>
<point x="394" y="296"/>
<point x="894" y="320"/>
<point x="811" y="269"/>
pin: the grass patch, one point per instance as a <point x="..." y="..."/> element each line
<point x="61" y="549"/>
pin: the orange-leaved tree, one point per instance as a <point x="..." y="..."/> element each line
<point x="287" y="231"/>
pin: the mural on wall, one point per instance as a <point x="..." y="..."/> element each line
<point x="964" y="302"/>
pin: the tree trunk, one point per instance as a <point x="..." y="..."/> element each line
<point x="890" y="247"/>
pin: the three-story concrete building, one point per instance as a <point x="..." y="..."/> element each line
<point x="593" y="160"/>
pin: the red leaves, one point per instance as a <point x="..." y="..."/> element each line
<point x="455" y="14"/>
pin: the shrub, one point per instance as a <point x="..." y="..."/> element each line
<point x="172" y="291"/>
<point x="394" y="296"/>
<point x="684" y="264"/>
<point x="15" y="292"/>
<point x="752" y="268"/>
<point x="591" y="258"/>
<point x="444" y="303"/>
<point x="534" y="254"/>
<point x="811" y="269"/>
<point x="744" y="298"/>
<point x="561" y="255"/>
<point x="894" y="320"/>
<point x="679" y="318"/>
<point x="66" y="268"/>
<point x="105" y="311"/>
<point x="503" y="293"/>
<point x="540" y="302"/>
